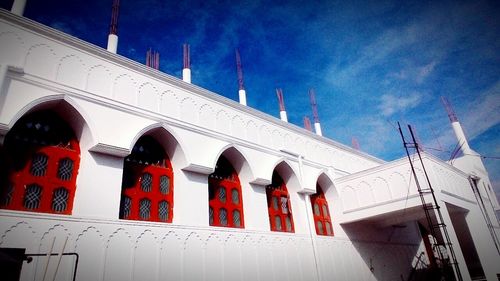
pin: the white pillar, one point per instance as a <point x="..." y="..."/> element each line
<point x="483" y="242"/>
<point x="243" y="97"/>
<point x="283" y="116"/>
<point x="462" y="141"/>
<point x="18" y="7"/>
<point x="317" y="128"/>
<point x="186" y="75"/>
<point x="112" y="43"/>
<point x="464" y="271"/>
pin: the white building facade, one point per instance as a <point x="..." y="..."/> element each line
<point x="208" y="153"/>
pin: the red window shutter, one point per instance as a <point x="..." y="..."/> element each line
<point x="279" y="206"/>
<point x="321" y="214"/>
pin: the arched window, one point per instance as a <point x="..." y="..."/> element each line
<point x="147" y="186"/>
<point x="41" y="159"/>
<point x="225" y="200"/>
<point x="321" y="214"/>
<point x="278" y="204"/>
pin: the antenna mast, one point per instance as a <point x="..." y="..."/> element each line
<point x="314" y="105"/>
<point x="355" y="143"/>
<point x="239" y="69"/>
<point x="281" y="101"/>
<point x="186" y="71"/>
<point x="307" y="123"/>
<point x="113" y="28"/>
<point x="449" y="110"/>
<point x="153" y="59"/>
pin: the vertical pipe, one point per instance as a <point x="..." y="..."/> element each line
<point x="283" y="116"/>
<point x="112" y="43"/>
<point x="243" y="97"/>
<point x="18" y="7"/>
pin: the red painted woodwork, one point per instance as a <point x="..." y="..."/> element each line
<point x="41" y="133"/>
<point x="321" y="213"/>
<point x="142" y="185"/>
<point x="136" y="193"/>
<point x="222" y="184"/>
<point x="279" y="206"/>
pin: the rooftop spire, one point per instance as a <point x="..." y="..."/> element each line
<point x="281" y="101"/>
<point x="314" y="106"/>
<point x="186" y="71"/>
<point x="241" y="88"/>
<point x="449" y="110"/>
<point x="113" y="28"/>
<point x="153" y="59"/>
<point x="307" y="123"/>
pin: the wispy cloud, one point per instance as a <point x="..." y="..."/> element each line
<point x="390" y="104"/>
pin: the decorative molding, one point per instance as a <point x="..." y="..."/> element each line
<point x="199" y="169"/>
<point x="110" y="150"/>
<point x="261" y="181"/>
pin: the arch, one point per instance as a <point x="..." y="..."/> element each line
<point x="147" y="182"/>
<point x="321" y="210"/>
<point x="42" y="156"/>
<point x="225" y="189"/>
<point x="71" y="71"/>
<point x="238" y="160"/>
<point x="167" y="137"/>
<point x="69" y="110"/>
<point x="288" y="173"/>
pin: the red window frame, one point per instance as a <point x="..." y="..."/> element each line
<point x="321" y="217"/>
<point x="134" y="171"/>
<point x="225" y="178"/>
<point x="21" y="177"/>
<point x="277" y="194"/>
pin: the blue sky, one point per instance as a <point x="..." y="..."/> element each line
<point x="371" y="63"/>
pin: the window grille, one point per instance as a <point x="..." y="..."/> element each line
<point x="284" y="205"/>
<point x="319" y="225"/>
<point x="223" y="217"/>
<point x="39" y="165"/>
<point x="65" y="169"/>
<point x="211" y="215"/>
<point x="316" y="209"/>
<point x="60" y="200"/>
<point x="146" y="182"/>
<point x="222" y="194"/>
<point x="278" y="222"/>
<point x="328" y="228"/>
<point x="275" y="203"/>
<point x="126" y="207"/>
<point x="325" y="211"/>
<point x="164" y="184"/>
<point x="145" y="209"/>
<point x="32" y="196"/>
<point x="8" y="195"/>
<point x="288" y="223"/>
<point x="163" y="210"/>
<point x="236" y="218"/>
<point x="235" y="196"/>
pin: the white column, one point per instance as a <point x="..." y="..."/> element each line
<point x="243" y="97"/>
<point x="485" y="247"/>
<point x="283" y="116"/>
<point x="18" y="7"/>
<point x="186" y="75"/>
<point x="3" y="76"/>
<point x="454" y="241"/>
<point x="317" y="128"/>
<point x="112" y="43"/>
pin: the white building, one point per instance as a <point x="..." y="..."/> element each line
<point x="116" y="161"/>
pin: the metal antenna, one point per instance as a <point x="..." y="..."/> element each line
<point x="186" y="56"/>
<point x="113" y="27"/>
<point x="355" y="143"/>
<point x="239" y="69"/>
<point x="314" y="105"/>
<point x="281" y="101"/>
<point x="449" y="109"/>
<point x="153" y="59"/>
<point x="307" y="123"/>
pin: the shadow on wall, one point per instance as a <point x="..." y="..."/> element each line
<point x="390" y="258"/>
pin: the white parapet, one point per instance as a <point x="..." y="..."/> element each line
<point x="18" y="7"/>
<point x="112" y="43"/>
<point x="317" y="128"/>
<point x="283" y="116"/>
<point x="186" y="75"/>
<point x="243" y="97"/>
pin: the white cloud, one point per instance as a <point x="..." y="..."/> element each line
<point x="390" y="104"/>
<point x="484" y="112"/>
